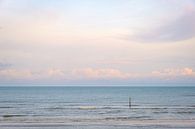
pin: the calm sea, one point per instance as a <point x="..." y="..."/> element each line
<point x="21" y="104"/>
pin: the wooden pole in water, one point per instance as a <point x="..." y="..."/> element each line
<point x="129" y="102"/>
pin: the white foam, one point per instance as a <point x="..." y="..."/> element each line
<point x="87" y="107"/>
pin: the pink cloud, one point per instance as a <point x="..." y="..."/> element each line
<point x="16" y="74"/>
<point x="93" y="74"/>
<point x="55" y="72"/>
<point x="29" y="74"/>
<point x="188" y="71"/>
<point x="100" y="73"/>
<point x="174" y="72"/>
<point x="189" y="8"/>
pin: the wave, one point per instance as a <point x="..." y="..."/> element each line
<point x="128" y="118"/>
<point x="5" y="107"/>
<point x="189" y="95"/>
<point x="8" y="116"/>
<point x="185" y="112"/>
<point x="91" y="107"/>
<point x="160" y="112"/>
<point x="87" y="107"/>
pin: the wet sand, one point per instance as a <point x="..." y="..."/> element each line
<point x="18" y="123"/>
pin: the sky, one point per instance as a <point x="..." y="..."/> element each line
<point x="97" y="42"/>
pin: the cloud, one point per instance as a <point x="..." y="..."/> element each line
<point x="15" y="74"/>
<point x="10" y="73"/>
<point x="90" y="73"/>
<point x="4" y="65"/>
<point x="174" y="72"/>
<point x="95" y="76"/>
<point x="182" y="28"/>
<point x="108" y="73"/>
<point x="55" y="72"/>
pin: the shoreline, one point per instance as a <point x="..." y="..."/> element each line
<point x="56" y="122"/>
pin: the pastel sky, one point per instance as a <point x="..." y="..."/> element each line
<point x="97" y="42"/>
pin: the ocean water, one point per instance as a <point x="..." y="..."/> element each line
<point x="96" y="107"/>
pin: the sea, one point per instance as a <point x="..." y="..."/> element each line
<point x="97" y="107"/>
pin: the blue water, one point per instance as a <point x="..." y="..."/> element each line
<point x="101" y="103"/>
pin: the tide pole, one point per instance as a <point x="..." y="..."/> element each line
<point x="129" y="102"/>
